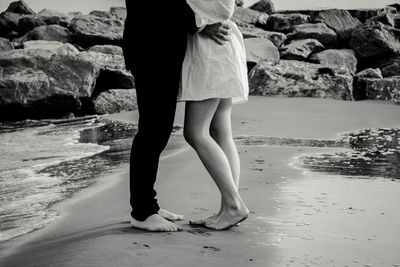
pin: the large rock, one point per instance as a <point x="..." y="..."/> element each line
<point x="115" y="100"/>
<point x="301" y="49"/>
<point x="253" y="32"/>
<point x="383" y="89"/>
<point x="118" y="12"/>
<point x="41" y="45"/>
<point x="285" y="22"/>
<point x="9" y="23"/>
<point x="243" y="16"/>
<point x="340" y="21"/>
<point x="364" y="14"/>
<point x="44" y="82"/>
<point x="27" y="24"/>
<point x="298" y="79"/>
<point x="239" y="3"/>
<point x="54" y="17"/>
<point x="337" y="58"/>
<point x="48" y="33"/>
<point x="107" y="49"/>
<point x="369" y="84"/>
<point x="259" y="49"/>
<point x="318" y="31"/>
<point x="113" y="73"/>
<point x="264" y="6"/>
<point x="374" y="39"/>
<point x="20" y="7"/>
<point x="101" y="14"/>
<point x="396" y="6"/>
<point x="390" y="67"/>
<point x="5" y="45"/>
<point x="360" y="82"/>
<point x="92" y="30"/>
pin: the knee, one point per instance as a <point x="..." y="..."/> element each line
<point x="219" y="136"/>
<point x="193" y="138"/>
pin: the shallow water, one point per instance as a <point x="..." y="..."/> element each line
<point x="370" y="153"/>
<point x="26" y="192"/>
<point x="43" y="163"/>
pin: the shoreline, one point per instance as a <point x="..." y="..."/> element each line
<point x="263" y="115"/>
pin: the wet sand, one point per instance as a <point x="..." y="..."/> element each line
<point x="298" y="217"/>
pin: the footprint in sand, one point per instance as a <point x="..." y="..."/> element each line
<point x="208" y="250"/>
<point x="199" y="231"/>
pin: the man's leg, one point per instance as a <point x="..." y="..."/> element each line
<point x="157" y="104"/>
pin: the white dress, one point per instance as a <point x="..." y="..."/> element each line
<point x="211" y="70"/>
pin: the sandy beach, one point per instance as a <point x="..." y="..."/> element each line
<point x="298" y="217"/>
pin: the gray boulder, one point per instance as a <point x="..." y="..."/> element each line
<point x="337" y="58"/>
<point x="50" y="17"/>
<point x="40" y="45"/>
<point x="115" y="100"/>
<point x="101" y="14"/>
<point x="118" y="12"/>
<point x="107" y="49"/>
<point x="318" y="31"/>
<point x="364" y="14"/>
<point x="5" y="45"/>
<point x="301" y="49"/>
<point x="390" y="66"/>
<point x="239" y="3"/>
<point x="45" y="82"/>
<point x="245" y="16"/>
<point x="264" y="6"/>
<point x="113" y="73"/>
<point x="340" y="21"/>
<point x="259" y="49"/>
<point x="20" y="7"/>
<point x="92" y="30"/>
<point x="362" y="79"/>
<point x="396" y="6"/>
<point x="285" y="22"/>
<point x="48" y="33"/>
<point x="253" y="32"/>
<point x="370" y="73"/>
<point x="9" y="23"/>
<point x="294" y="78"/>
<point x="387" y="89"/>
<point x="27" y="24"/>
<point x="374" y="39"/>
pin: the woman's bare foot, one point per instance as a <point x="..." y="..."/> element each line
<point x="204" y="220"/>
<point x="156" y="223"/>
<point x="170" y="216"/>
<point x="228" y="218"/>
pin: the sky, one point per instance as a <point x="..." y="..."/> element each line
<point x="85" y="6"/>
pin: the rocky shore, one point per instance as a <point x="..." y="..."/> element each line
<point x="55" y="64"/>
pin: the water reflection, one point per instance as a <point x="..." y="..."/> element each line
<point x="374" y="153"/>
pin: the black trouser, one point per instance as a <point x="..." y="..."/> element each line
<point x="157" y="87"/>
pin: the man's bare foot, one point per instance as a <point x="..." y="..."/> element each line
<point x="156" y="223"/>
<point x="170" y="216"/>
<point x="228" y="219"/>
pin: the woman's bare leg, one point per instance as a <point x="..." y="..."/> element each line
<point x="221" y="132"/>
<point x="198" y="117"/>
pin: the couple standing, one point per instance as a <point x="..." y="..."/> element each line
<point x="194" y="54"/>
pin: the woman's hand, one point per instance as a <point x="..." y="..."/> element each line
<point x="219" y="32"/>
